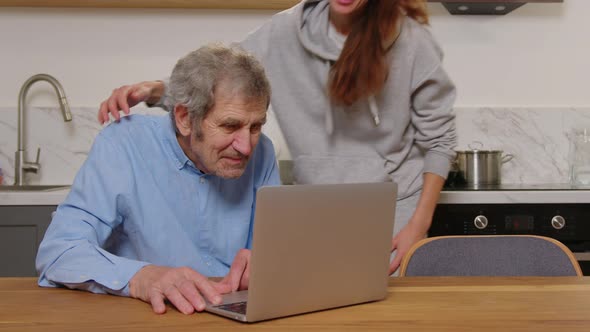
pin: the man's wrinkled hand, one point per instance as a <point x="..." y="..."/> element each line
<point x="185" y="288"/>
<point x="238" y="277"/>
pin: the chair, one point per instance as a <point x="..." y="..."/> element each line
<point x="496" y="255"/>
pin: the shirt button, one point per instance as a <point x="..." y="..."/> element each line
<point x="202" y="180"/>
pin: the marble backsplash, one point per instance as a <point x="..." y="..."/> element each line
<point x="537" y="137"/>
<point x="64" y="145"/>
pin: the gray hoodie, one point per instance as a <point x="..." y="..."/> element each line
<point x="397" y="135"/>
<point x="405" y="130"/>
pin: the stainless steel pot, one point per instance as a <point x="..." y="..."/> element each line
<point x="480" y="167"/>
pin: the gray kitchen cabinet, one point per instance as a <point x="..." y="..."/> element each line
<point x="21" y="231"/>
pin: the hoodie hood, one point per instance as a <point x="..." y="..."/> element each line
<point x="313" y="30"/>
<point x="313" y="34"/>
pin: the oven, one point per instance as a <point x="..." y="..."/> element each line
<point x="559" y="211"/>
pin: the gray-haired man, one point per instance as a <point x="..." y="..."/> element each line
<point x="164" y="202"/>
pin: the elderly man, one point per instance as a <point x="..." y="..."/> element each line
<point x="162" y="203"/>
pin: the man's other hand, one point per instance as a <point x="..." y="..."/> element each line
<point x="238" y="276"/>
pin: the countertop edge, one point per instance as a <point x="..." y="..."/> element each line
<point x="515" y="197"/>
<point x="9" y="198"/>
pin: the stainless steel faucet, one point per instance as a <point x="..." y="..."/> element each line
<point x="20" y="165"/>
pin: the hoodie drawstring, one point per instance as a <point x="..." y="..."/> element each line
<point x="329" y="116"/>
<point x="374" y="110"/>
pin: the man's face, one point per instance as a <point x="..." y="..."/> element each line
<point x="229" y="134"/>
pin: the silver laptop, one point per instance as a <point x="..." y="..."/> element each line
<point x="316" y="247"/>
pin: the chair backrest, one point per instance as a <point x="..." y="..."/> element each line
<point x="495" y="255"/>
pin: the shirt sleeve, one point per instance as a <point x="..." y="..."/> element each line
<point x="433" y="96"/>
<point x="72" y="252"/>
<point x="257" y="42"/>
<point x="165" y="102"/>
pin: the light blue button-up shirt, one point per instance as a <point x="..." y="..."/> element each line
<point x="139" y="200"/>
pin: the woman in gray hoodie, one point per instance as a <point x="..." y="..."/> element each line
<point x="360" y="95"/>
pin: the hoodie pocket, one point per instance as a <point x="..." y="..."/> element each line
<point x="338" y="169"/>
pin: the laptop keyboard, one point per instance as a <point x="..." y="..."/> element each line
<point x="239" y="307"/>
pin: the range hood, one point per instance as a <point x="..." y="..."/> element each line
<point x="485" y="7"/>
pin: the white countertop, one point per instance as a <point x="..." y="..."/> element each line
<point x="51" y="197"/>
<point x="55" y="197"/>
<point x="515" y="197"/>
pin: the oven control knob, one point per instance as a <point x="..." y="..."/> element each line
<point x="558" y="222"/>
<point x="480" y="222"/>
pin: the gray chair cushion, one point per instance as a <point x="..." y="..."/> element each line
<point x="490" y="256"/>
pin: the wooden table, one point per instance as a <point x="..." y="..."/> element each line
<point x="413" y="304"/>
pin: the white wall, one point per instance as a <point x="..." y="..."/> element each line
<point x="536" y="55"/>
<point x="91" y="51"/>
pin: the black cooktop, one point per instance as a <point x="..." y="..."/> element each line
<point x="518" y="187"/>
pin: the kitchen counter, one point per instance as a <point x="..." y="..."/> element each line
<point x="560" y="193"/>
<point x="521" y="197"/>
<point x="534" y="194"/>
<point x="50" y="197"/>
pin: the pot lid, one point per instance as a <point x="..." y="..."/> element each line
<point x="476" y="148"/>
<point x="480" y="151"/>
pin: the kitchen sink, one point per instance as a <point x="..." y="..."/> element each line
<point x="51" y="187"/>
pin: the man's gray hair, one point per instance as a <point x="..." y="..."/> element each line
<point x="195" y="77"/>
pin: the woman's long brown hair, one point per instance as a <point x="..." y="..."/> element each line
<point x="361" y="70"/>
